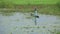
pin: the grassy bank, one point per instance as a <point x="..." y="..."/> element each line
<point x="42" y="9"/>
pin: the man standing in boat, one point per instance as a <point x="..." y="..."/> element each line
<point x="35" y="15"/>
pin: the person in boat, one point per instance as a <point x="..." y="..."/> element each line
<point x="35" y="13"/>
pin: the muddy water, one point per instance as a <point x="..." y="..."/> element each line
<point x="23" y="23"/>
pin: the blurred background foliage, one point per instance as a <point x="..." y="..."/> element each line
<point x="6" y="4"/>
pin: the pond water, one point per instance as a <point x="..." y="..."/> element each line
<point x="23" y="23"/>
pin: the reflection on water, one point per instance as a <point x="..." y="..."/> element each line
<point x="23" y="23"/>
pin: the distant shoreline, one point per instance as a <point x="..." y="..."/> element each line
<point x="43" y="9"/>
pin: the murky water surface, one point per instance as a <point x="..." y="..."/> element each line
<point x="23" y="23"/>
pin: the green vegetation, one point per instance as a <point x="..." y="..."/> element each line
<point x="6" y="4"/>
<point x="33" y="1"/>
<point x="51" y="7"/>
<point x="24" y="2"/>
<point x="45" y="10"/>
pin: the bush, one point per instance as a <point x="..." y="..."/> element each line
<point x="58" y="5"/>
